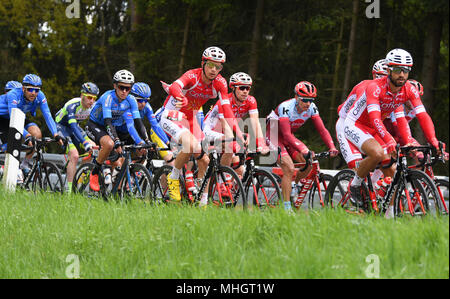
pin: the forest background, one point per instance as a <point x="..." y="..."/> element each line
<point x="332" y="44"/>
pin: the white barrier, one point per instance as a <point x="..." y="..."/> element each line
<point x="13" y="151"/>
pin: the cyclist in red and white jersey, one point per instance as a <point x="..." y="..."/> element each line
<point x="178" y="115"/>
<point x="281" y="125"/>
<point x="364" y="126"/>
<point x="349" y="152"/>
<point x="243" y="105"/>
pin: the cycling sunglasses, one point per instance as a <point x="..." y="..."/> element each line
<point x="211" y="64"/>
<point x="89" y="96"/>
<point x="32" y="89"/>
<point x="399" y="69"/>
<point x="306" y="100"/>
<point x="244" y="87"/>
<point x="142" y="100"/>
<point x="124" y="88"/>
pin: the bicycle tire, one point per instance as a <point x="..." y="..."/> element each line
<point x="80" y="183"/>
<point x="233" y="194"/>
<point x="160" y="190"/>
<point x="443" y="188"/>
<point x="418" y="183"/>
<point x="129" y="190"/>
<point x="269" y="196"/>
<point x="46" y="178"/>
<point x="324" y="181"/>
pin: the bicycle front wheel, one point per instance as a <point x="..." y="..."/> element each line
<point x="138" y="186"/>
<point x="45" y="178"/>
<point x="318" y="191"/>
<point x="263" y="190"/>
<point x="226" y="189"/>
<point x="160" y="188"/>
<point x="442" y="186"/>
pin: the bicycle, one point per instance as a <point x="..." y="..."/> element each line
<point x="43" y="175"/>
<point x="315" y="181"/>
<point x="216" y="176"/>
<point x="132" y="181"/>
<point x="260" y="185"/>
<point x="411" y="190"/>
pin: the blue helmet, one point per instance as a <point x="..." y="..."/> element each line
<point x="33" y="80"/>
<point x="141" y="90"/>
<point x="11" y="85"/>
<point x="90" y="88"/>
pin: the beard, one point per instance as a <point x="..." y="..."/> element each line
<point x="396" y="82"/>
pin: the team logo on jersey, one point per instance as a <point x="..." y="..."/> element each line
<point x="377" y="92"/>
<point x="285" y="111"/>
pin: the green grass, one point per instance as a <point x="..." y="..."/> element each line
<point x="134" y="240"/>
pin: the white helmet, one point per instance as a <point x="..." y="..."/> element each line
<point x="240" y="79"/>
<point x="214" y="54"/>
<point x="123" y="76"/>
<point x="380" y="68"/>
<point x="399" y="57"/>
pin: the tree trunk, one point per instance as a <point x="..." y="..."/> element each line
<point x="351" y="48"/>
<point x="185" y="40"/>
<point x="253" y="63"/>
<point x="430" y="67"/>
<point x="132" y="48"/>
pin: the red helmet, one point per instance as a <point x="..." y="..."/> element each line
<point x="305" y="89"/>
<point x="417" y="85"/>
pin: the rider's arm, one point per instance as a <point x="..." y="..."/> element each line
<point x="72" y="121"/>
<point x="374" y="111"/>
<point x="402" y="127"/>
<point x="324" y="134"/>
<point x="228" y="113"/>
<point x="47" y="114"/>
<point x="148" y="112"/>
<point x="130" y="121"/>
<point x="200" y="117"/>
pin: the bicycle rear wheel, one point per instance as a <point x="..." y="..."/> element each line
<point x="442" y="186"/>
<point x="263" y="190"/>
<point x="226" y="189"/>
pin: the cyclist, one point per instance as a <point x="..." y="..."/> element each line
<point x="107" y="114"/>
<point x="284" y="121"/>
<point x="349" y="152"/>
<point x="11" y="85"/>
<point x="67" y="118"/>
<point x="364" y="122"/>
<point x="27" y="98"/>
<point x="243" y="105"/>
<point x="177" y="117"/>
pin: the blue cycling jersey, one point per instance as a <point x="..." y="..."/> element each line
<point x="148" y="112"/>
<point x="128" y="127"/>
<point x="16" y="99"/>
<point x="109" y="106"/>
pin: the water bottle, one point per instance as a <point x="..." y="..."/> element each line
<point x="107" y="175"/>
<point x="382" y="185"/>
<point x="294" y="192"/>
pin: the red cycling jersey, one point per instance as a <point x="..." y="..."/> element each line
<point x="197" y="93"/>
<point x="377" y="103"/>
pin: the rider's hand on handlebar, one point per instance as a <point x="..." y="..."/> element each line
<point x="333" y="152"/>
<point x="61" y="140"/>
<point x="181" y="102"/>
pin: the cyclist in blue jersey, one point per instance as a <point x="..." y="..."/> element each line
<point x="27" y="98"/>
<point x="107" y="114"/>
<point x="67" y="118"/>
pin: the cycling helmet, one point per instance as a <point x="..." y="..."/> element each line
<point x="305" y="89"/>
<point x="90" y="88"/>
<point x="11" y="85"/>
<point x="399" y="57"/>
<point x="141" y="90"/>
<point x="215" y="54"/>
<point x="32" y="80"/>
<point x="240" y="79"/>
<point x="123" y="76"/>
<point x="417" y="85"/>
<point x="380" y="68"/>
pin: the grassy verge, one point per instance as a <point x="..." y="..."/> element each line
<point x="43" y="236"/>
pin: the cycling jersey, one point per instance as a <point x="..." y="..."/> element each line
<point x="290" y="119"/>
<point x="377" y="102"/>
<point x="16" y="99"/>
<point x="128" y="127"/>
<point x="109" y="106"/>
<point x="147" y="112"/>
<point x="197" y="93"/>
<point x="70" y="114"/>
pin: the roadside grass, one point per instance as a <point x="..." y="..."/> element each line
<point x="40" y="233"/>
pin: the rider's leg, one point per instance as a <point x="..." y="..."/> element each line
<point x="72" y="165"/>
<point x="287" y="166"/>
<point x="36" y="133"/>
<point x="374" y="155"/>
